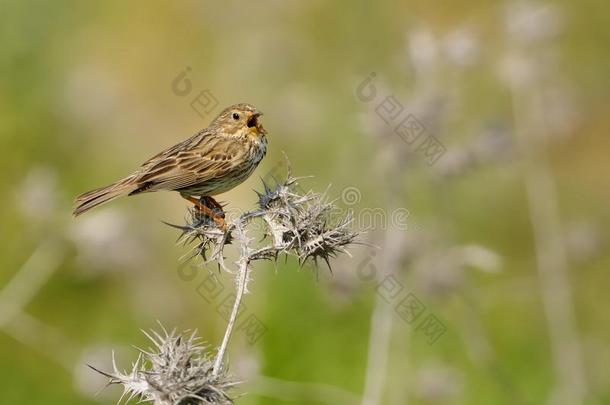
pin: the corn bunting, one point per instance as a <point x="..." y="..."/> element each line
<point x="212" y="161"/>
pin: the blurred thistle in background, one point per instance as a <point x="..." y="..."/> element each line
<point x="478" y="170"/>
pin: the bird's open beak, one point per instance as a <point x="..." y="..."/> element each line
<point x="254" y="122"/>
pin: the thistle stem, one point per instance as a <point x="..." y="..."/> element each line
<point x="241" y="289"/>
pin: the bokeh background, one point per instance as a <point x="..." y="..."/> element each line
<point x="501" y="236"/>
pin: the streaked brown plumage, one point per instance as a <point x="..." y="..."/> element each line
<point x="210" y="162"/>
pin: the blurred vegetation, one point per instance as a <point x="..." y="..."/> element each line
<point x="86" y="95"/>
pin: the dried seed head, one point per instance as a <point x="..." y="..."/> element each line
<point x="175" y="370"/>
<point x="294" y="222"/>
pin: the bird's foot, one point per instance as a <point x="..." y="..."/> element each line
<point x="210" y="208"/>
<point x="213" y="204"/>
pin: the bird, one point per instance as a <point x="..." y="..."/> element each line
<point x="212" y="161"/>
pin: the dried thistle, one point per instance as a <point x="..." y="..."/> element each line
<point x="293" y="222"/>
<point x="175" y="370"/>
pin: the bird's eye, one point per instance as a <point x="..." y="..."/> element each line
<point x="235" y="116"/>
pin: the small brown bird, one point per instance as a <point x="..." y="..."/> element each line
<point x="210" y="162"/>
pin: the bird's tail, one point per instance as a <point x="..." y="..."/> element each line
<point x="99" y="196"/>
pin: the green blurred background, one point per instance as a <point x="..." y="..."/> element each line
<point x="505" y="241"/>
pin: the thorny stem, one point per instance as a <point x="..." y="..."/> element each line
<point x="241" y="289"/>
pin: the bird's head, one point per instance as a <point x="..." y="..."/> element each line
<point x="241" y="119"/>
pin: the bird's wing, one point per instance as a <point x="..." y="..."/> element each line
<point x="186" y="145"/>
<point x="194" y="161"/>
